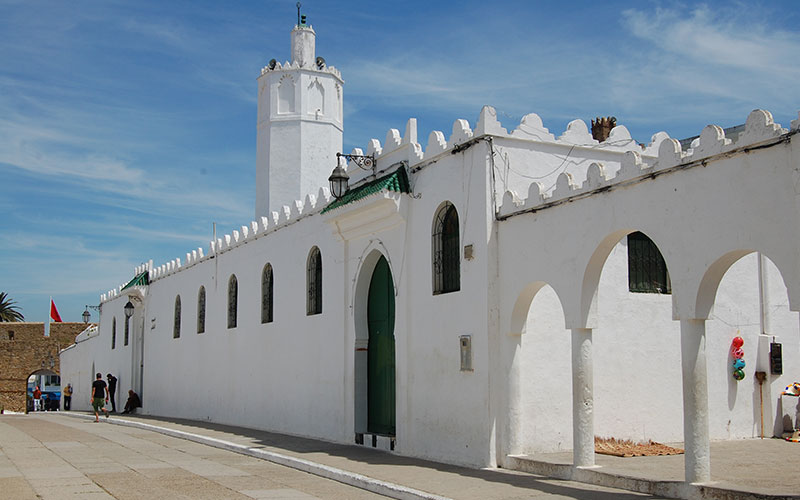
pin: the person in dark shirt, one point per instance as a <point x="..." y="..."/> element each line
<point x="112" y="389"/>
<point x="37" y="399"/>
<point x="99" y="390"/>
<point x="132" y="403"/>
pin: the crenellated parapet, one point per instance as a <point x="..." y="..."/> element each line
<point x="638" y="162"/>
<point x="406" y="148"/>
<point x="287" y="216"/>
<point x="296" y="66"/>
<point x="759" y="128"/>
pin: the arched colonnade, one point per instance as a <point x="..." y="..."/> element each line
<point x="703" y="219"/>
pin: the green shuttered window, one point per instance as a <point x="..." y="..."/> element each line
<point x="647" y="270"/>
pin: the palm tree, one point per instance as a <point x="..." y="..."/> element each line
<point x="8" y="309"/>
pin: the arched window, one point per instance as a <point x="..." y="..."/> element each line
<point x="314" y="282"/>
<point x="233" y="300"/>
<point x="201" y="310"/>
<point x="113" y="333"/>
<point x="266" y="294"/>
<point x="446" y="255"/>
<point x="176" y="327"/>
<point x="127" y="330"/>
<point x="647" y="271"/>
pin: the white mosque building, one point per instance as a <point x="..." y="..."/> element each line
<point x="492" y="294"/>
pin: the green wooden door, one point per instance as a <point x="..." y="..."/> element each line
<point x="380" y="364"/>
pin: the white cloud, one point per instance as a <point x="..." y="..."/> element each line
<point x="710" y="61"/>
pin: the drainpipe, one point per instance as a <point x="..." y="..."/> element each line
<point x="763" y="295"/>
<point x="762" y="362"/>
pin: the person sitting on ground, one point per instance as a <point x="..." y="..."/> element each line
<point x="132" y="403"/>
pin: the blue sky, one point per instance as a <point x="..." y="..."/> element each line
<point x="127" y="128"/>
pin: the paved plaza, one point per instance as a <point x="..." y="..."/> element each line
<point x="67" y="455"/>
<point x="58" y="457"/>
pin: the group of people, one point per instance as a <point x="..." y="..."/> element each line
<point x="102" y="393"/>
<point x="43" y="402"/>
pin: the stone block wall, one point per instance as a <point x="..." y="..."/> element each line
<point x="23" y="350"/>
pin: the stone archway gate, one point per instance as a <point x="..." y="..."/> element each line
<point x="23" y="350"/>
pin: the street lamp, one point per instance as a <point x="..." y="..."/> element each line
<point x="338" y="180"/>
<point x="86" y="315"/>
<point x="128" y="309"/>
<point x="339" y="177"/>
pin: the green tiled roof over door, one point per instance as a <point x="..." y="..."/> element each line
<point x="140" y="280"/>
<point x="396" y="181"/>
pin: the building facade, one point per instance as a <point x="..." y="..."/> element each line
<point x="492" y="294"/>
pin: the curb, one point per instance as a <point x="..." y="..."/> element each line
<point x="670" y="489"/>
<point x="373" y="485"/>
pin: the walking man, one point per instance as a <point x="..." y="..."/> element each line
<point x="99" y="390"/>
<point x="112" y="389"/>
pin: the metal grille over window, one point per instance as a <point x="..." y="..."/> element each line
<point x="127" y="330"/>
<point x="113" y="333"/>
<point x="647" y="270"/>
<point x="201" y="310"/>
<point x="446" y="255"/>
<point x="176" y="329"/>
<point x="233" y="298"/>
<point x="266" y="294"/>
<point x="314" y="282"/>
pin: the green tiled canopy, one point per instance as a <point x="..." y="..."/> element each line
<point x="396" y="181"/>
<point x="140" y="280"/>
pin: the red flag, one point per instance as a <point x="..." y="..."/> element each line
<point x="54" y="312"/>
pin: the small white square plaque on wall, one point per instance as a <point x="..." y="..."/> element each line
<point x="465" y="342"/>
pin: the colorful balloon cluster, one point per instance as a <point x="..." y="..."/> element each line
<point x="738" y="358"/>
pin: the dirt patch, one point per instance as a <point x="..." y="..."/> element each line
<point x="625" y="448"/>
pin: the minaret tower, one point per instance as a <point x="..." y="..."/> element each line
<point x="299" y="124"/>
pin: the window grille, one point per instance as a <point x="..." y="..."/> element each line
<point x="446" y="256"/>
<point x="266" y="294"/>
<point x="647" y="270"/>
<point x="201" y="310"/>
<point x="233" y="298"/>
<point x="176" y="328"/>
<point x="127" y="330"/>
<point x="113" y="333"/>
<point x="314" y="282"/>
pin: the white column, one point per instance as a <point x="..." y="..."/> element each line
<point x="512" y="353"/>
<point x="697" y="461"/>
<point x="582" y="398"/>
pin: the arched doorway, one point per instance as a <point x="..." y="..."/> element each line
<point x="49" y="384"/>
<point x="380" y="352"/>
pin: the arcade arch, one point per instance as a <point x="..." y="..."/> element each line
<point x="545" y="385"/>
<point x="750" y="300"/>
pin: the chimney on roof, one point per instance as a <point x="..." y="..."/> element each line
<point x="601" y="127"/>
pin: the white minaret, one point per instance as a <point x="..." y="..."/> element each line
<point x="299" y="125"/>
